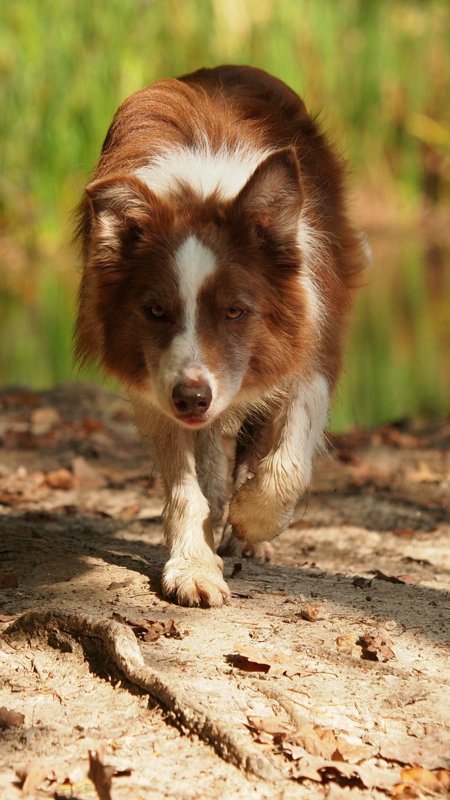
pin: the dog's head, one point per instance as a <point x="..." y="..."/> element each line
<point x="197" y="304"/>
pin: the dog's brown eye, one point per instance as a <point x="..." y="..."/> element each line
<point x="234" y="312"/>
<point x="155" y="311"/>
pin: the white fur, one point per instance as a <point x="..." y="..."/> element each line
<point x="194" y="263"/>
<point x="205" y="171"/>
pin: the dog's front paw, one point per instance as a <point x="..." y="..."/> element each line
<point x="194" y="582"/>
<point x="256" y="515"/>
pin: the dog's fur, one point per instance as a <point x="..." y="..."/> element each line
<point x="219" y="269"/>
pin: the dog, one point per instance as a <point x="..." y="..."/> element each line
<point x="219" y="269"/>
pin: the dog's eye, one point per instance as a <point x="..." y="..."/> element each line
<point x="234" y="312"/>
<point x="154" y="311"/>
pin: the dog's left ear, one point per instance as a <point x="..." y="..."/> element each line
<point x="272" y="198"/>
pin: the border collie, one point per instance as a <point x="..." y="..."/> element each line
<point x="219" y="270"/>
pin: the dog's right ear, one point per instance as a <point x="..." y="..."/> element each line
<point x="119" y="205"/>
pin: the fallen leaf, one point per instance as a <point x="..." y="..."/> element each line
<point x="253" y="659"/>
<point x="391" y="435"/>
<point x="424" y="474"/>
<point x="87" y="476"/>
<point x="43" y="420"/>
<point x="149" y="630"/>
<point x="10" y="718"/>
<point x="376" y="647"/>
<point x="31" y="776"/>
<point x="9" y="580"/>
<point x="268" y="730"/>
<point x="100" y="774"/>
<point x="316" y="740"/>
<point x="314" y="612"/>
<point x="60" y="479"/>
<point x="237" y="568"/>
<point x="405" y="579"/>
<point x="157" y="628"/>
<point x="406" y="533"/>
<point x="346" y="644"/>
<point x="435" y="781"/>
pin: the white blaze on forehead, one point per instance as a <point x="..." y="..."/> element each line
<point x="194" y="263"/>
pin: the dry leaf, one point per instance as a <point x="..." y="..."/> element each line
<point x="436" y="781"/>
<point x="406" y="533"/>
<point x="376" y="647"/>
<point x="406" y="579"/>
<point x="314" y="612"/>
<point x="252" y="659"/>
<point x="315" y="740"/>
<point x="268" y="730"/>
<point x="391" y="435"/>
<point x="346" y="644"/>
<point x="9" y="581"/>
<point x="10" y="718"/>
<point x="87" y="476"/>
<point x="149" y="630"/>
<point x="60" y="479"/>
<point x="43" y="420"/>
<point x="100" y="774"/>
<point x="31" y="776"/>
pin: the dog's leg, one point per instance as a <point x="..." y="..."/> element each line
<point x="279" y="460"/>
<point x="193" y="573"/>
<point x="212" y="471"/>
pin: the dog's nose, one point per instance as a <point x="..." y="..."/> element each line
<point x="191" y="399"/>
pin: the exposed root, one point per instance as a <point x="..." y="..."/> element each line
<point x="122" y="647"/>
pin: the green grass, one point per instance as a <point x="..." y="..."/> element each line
<point x="375" y="71"/>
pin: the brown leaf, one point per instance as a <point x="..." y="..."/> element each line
<point x="9" y="581"/>
<point x="375" y="647"/>
<point x="314" y="612"/>
<point x="60" y="479"/>
<point x="100" y="774"/>
<point x="10" y="718"/>
<point x="31" y="776"/>
<point x="149" y="630"/>
<point x="87" y="476"/>
<point x="237" y="568"/>
<point x="346" y="644"/>
<point x="249" y="663"/>
<point x="43" y="420"/>
<point x="405" y="579"/>
<point x="7" y="617"/>
<point x="317" y="741"/>
<point x="406" y="533"/>
<point x="391" y="435"/>
<point x="435" y="781"/>
<point x="269" y="729"/>
<point x="253" y="659"/>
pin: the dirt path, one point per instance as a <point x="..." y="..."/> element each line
<point x="327" y="676"/>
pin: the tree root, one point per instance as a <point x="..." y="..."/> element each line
<point x="121" y="645"/>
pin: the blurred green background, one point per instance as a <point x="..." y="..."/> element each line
<point x="376" y="71"/>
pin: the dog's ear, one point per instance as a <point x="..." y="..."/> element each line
<point x="272" y="198"/>
<point x="119" y="205"/>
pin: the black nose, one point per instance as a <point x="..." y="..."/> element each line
<point x="191" y="399"/>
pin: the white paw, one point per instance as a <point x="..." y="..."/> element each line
<point x="195" y="582"/>
<point x="256" y="515"/>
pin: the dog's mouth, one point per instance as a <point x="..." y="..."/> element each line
<point x="193" y="422"/>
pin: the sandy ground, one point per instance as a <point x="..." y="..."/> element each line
<point x="326" y="676"/>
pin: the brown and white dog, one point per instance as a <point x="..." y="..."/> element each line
<point x="219" y="269"/>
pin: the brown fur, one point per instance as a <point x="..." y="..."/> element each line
<point x="278" y="350"/>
